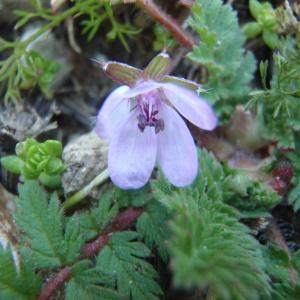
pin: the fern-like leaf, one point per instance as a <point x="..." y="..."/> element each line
<point x="94" y="222"/>
<point x="123" y="258"/>
<point x="22" y="284"/>
<point x="208" y="242"/>
<point x="221" y="52"/>
<point x="90" y="283"/>
<point x="51" y="242"/>
<point x="152" y="227"/>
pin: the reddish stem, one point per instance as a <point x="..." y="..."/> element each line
<point x="121" y="222"/>
<point x="55" y="283"/>
<point x="182" y="37"/>
<point x="187" y="3"/>
<point x="94" y="247"/>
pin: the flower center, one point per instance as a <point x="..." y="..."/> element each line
<point x="148" y="106"/>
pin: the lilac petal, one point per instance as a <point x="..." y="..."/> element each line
<point x="177" y="153"/>
<point x="142" y="88"/>
<point x="132" y="155"/>
<point x="113" y="113"/>
<point x="191" y="106"/>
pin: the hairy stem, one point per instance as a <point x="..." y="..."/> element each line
<point x="80" y="195"/>
<point x="121" y="222"/>
<point x="180" y="35"/>
<point x="187" y="3"/>
<point x="55" y="283"/>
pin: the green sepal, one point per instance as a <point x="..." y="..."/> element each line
<point x="12" y="163"/>
<point x="252" y="29"/>
<point x="158" y="66"/>
<point x="182" y="82"/>
<point x="122" y="73"/>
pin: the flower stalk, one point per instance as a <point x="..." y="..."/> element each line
<point x="80" y="195"/>
<point x="180" y="35"/>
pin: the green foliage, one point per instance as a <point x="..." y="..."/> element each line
<point x="123" y="258"/>
<point x="207" y="235"/>
<point x="296" y="260"/>
<point x="266" y="23"/>
<point x="278" y="106"/>
<point x="96" y="221"/>
<point x="294" y="197"/>
<point x="17" y="283"/>
<point x="37" y="71"/>
<point x="163" y="39"/>
<point x="134" y="198"/>
<point x="90" y="283"/>
<point x="279" y="267"/>
<point x="37" y="160"/>
<point x="91" y="25"/>
<point x="23" y="68"/>
<point x="152" y="227"/>
<point x="254" y="198"/>
<point x="52" y="241"/>
<point x="294" y="192"/>
<point x="221" y="53"/>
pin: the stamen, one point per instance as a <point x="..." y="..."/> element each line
<point x="148" y="116"/>
<point x="159" y="126"/>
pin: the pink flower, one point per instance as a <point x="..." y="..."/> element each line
<point x="143" y="123"/>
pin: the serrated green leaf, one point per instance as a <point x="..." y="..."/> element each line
<point x="152" y="227"/>
<point x="278" y="106"/>
<point x="206" y="235"/>
<point x="89" y="283"/>
<point x="221" y="52"/>
<point x="94" y="222"/>
<point x="122" y="258"/>
<point x="296" y="260"/>
<point x="22" y="284"/>
<point x="43" y="225"/>
<point x="294" y="197"/>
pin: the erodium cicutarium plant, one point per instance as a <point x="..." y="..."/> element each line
<point x="142" y="121"/>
